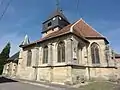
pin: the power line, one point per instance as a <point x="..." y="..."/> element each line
<point x="77" y="8"/>
<point x="5" y="9"/>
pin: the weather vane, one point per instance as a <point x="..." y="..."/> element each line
<point x="58" y="5"/>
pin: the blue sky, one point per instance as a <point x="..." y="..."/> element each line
<point x="26" y="17"/>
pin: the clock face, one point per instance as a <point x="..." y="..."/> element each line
<point x="54" y="18"/>
<point x="60" y="18"/>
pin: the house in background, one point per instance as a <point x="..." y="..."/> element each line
<point x="66" y="53"/>
<point x="117" y="58"/>
<point x="10" y="68"/>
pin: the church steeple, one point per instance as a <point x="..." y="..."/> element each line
<point x="26" y="41"/>
<point x="56" y="19"/>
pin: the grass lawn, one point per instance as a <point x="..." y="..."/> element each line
<point x="100" y="86"/>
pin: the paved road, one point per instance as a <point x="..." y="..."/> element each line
<point x="8" y="84"/>
<point x="20" y="86"/>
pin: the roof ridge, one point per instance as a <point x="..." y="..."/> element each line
<point x="71" y="28"/>
<point x="16" y="55"/>
<point x="92" y="27"/>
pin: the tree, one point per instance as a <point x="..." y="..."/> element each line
<point x="4" y="55"/>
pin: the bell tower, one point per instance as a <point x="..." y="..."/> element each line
<point x="55" y="21"/>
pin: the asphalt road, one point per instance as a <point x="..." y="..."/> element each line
<point x="20" y="86"/>
<point x="8" y="84"/>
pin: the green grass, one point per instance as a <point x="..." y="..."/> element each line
<point x="99" y="86"/>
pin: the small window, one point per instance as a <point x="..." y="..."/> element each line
<point x="49" y="24"/>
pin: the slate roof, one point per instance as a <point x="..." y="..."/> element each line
<point x="57" y="13"/>
<point x="14" y="57"/>
<point x="80" y="28"/>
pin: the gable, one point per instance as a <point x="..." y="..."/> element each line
<point x="86" y="30"/>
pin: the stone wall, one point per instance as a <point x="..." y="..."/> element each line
<point x="55" y="74"/>
<point x="13" y="69"/>
<point x="78" y="74"/>
<point x="10" y="69"/>
<point x="117" y="62"/>
<point x="6" y="69"/>
<point x="102" y="73"/>
<point x="23" y="71"/>
<point x="117" y="70"/>
<point x="44" y="74"/>
<point x="61" y="74"/>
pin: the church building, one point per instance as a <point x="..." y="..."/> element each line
<point x="66" y="53"/>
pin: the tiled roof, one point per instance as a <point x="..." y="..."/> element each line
<point x="80" y="28"/>
<point x="86" y="30"/>
<point x="14" y="57"/>
<point x="57" y="33"/>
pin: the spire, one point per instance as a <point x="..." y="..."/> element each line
<point x="25" y="41"/>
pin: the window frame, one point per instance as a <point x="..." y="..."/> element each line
<point x="29" y="58"/>
<point x="45" y="55"/>
<point x="61" y="52"/>
<point x="49" y="24"/>
<point x="95" y="53"/>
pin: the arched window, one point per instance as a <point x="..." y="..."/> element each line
<point x="45" y="54"/>
<point x="29" y="58"/>
<point x="79" y="53"/>
<point x="95" y="54"/>
<point x="61" y="52"/>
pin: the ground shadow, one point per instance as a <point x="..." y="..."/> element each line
<point x="6" y="80"/>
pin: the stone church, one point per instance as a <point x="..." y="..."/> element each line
<point x="66" y="53"/>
